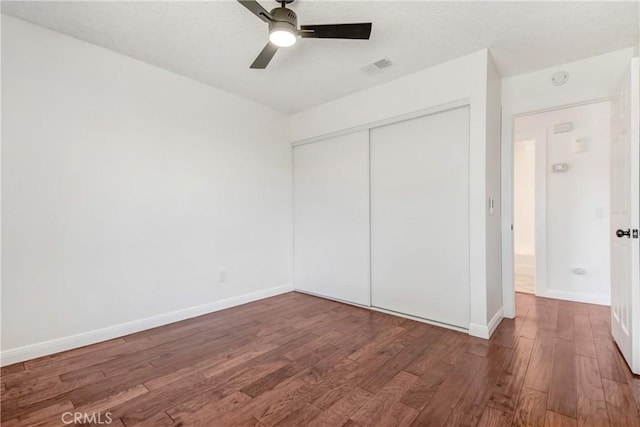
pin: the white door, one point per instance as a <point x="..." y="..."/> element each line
<point x="625" y="217"/>
<point x="420" y="217"/>
<point x="331" y="217"/>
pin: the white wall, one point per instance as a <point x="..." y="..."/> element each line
<point x="590" y="79"/>
<point x="493" y="218"/>
<point x="524" y="198"/>
<point x="577" y="202"/>
<point x="461" y="79"/>
<point x="126" y="188"/>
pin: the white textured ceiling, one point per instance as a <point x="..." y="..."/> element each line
<point x="215" y="41"/>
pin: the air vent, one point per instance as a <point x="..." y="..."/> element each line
<point x="562" y="127"/>
<point x="377" y="67"/>
<point x="383" y="63"/>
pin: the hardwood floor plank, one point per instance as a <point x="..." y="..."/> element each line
<point x="271" y="407"/>
<point x="508" y="331"/>
<point x="434" y="353"/>
<point x="145" y="407"/>
<point x="592" y="409"/>
<point x="207" y="408"/>
<point x="478" y="390"/>
<point x="565" y="325"/>
<point x="507" y="389"/>
<point x="370" y="348"/>
<point x="426" y="387"/>
<point x="269" y="381"/>
<point x="338" y="413"/>
<point x="114" y="400"/>
<point x="634" y="383"/>
<point x="158" y="420"/>
<point x="399" y="415"/>
<point x="381" y="403"/>
<point x="553" y="419"/>
<point x="531" y="409"/>
<point x="45" y="416"/>
<point x="612" y="365"/>
<point x="562" y="387"/>
<point x="548" y="315"/>
<point x="442" y="404"/>
<point x="620" y="404"/>
<point x="540" y="365"/>
<point x="529" y="328"/>
<point x="301" y="417"/>
<point x="583" y="336"/>
<point x="11" y="369"/>
<point x="414" y="350"/>
<point x="328" y="338"/>
<point x="492" y="417"/>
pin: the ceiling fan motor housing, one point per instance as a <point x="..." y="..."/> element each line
<point x="284" y="19"/>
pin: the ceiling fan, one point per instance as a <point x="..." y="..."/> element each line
<point x="283" y="29"/>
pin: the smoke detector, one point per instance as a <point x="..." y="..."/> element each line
<point x="560" y="78"/>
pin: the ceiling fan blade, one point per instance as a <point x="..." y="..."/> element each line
<point x="264" y="57"/>
<point x="336" y="31"/>
<point x="255" y="8"/>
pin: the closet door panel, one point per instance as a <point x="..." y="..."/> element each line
<point x="331" y="218"/>
<point x="420" y="217"/>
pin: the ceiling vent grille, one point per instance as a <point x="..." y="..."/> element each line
<point x="377" y="67"/>
<point x="382" y="64"/>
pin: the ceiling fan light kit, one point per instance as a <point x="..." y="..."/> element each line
<point x="283" y="30"/>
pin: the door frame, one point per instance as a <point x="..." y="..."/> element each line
<point x="540" y="205"/>
<point x="506" y="182"/>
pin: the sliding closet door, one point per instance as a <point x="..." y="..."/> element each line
<point x="420" y="217"/>
<point x="331" y="218"/>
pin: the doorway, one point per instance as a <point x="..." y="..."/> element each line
<point x="561" y="203"/>
<point x="524" y="215"/>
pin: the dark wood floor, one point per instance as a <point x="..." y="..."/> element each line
<point x="299" y="360"/>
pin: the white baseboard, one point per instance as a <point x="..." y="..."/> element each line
<point x="575" y="296"/>
<point x="391" y="312"/>
<point x="420" y="319"/>
<point x="485" y="331"/>
<point x="57" y="345"/>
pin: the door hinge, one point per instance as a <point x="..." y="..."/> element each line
<point x="634" y="233"/>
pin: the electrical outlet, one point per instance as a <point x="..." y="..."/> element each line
<point x="222" y="276"/>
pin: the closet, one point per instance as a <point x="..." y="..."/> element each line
<point x="381" y="217"/>
<point x="331" y="218"/>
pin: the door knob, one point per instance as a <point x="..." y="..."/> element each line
<point x="621" y="233"/>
